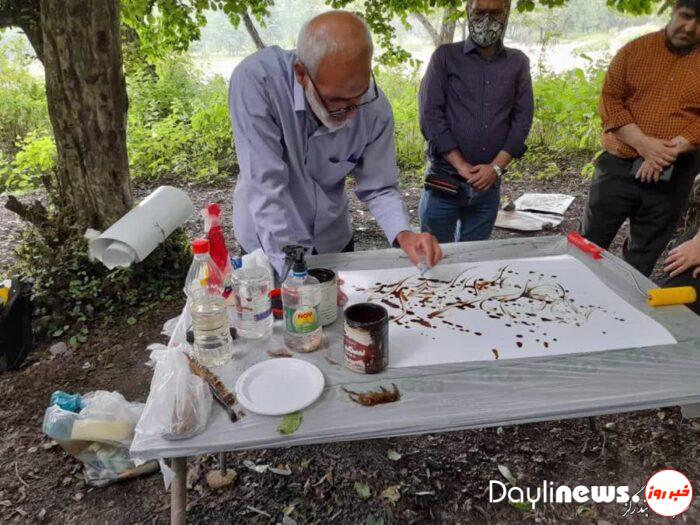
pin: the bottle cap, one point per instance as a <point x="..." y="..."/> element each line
<point x="214" y="209"/>
<point x="200" y="246"/>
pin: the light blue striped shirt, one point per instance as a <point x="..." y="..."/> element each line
<point x="291" y="187"/>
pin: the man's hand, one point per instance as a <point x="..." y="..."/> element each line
<point x="684" y="257"/>
<point x="420" y="247"/>
<point x="682" y="145"/>
<point x="647" y="173"/>
<point x="658" y="153"/>
<point x="482" y="177"/>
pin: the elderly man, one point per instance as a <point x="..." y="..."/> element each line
<point x="303" y="122"/>
<point x="650" y="107"/>
<point x="476" y="108"/>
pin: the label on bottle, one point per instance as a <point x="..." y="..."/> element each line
<point x="301" y="320"/>
<point x="257" y="309"/>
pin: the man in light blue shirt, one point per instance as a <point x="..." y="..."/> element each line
<point x="303" y="121"/>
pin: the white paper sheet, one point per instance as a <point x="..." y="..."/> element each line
<point x="502" y="309"/>
<point x="133" y="237"/>
<point x="544" y="202"/>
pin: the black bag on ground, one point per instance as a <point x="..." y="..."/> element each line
<point x="16" y="339"/>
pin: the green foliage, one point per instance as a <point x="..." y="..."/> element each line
<point x="179" y="125"/>
<point x="71" y="293"/>
<point x="22" y="98"/>
<point x="402" y="92"/>
<point x="35" y="159"/>
<point x="566" y="109"/>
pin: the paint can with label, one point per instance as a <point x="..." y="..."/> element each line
<point x="328" y="309"/>
<point x="366" y="338"/>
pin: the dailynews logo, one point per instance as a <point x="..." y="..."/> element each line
<point x="667" y="493"/>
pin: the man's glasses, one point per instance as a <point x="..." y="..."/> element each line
<point x="342" y="112"/>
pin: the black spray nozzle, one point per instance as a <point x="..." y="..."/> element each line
<point x="296" y="257"/>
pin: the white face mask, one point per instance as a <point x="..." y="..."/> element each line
<point x="320" y="111"/>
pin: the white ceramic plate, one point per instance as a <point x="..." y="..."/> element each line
<point x="279" y="386"/>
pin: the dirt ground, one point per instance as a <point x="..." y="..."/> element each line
<point x="441" y="478"/>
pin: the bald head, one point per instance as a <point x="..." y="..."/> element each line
<point x="339" y="38"/>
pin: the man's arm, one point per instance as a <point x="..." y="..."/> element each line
<point x="433" y="113"/>
<point x="260" y="153"/>
<point x="618" y="120"/>
<point x="484" y="176"/>
<point x="376" y="175"/>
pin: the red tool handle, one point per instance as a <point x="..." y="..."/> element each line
<point x="585" y="245"/>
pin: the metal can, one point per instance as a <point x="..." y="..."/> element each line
<point x="328" y="309"/>
<point x="366" y="338"/>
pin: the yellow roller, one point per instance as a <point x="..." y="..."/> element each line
<point x="670" y="296"/>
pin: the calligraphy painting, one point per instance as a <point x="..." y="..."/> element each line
<point x="504" y="309"/>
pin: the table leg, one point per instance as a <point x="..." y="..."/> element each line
<point x="178" y="492"/>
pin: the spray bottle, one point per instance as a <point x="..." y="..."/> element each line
<point x="301" y="297"/>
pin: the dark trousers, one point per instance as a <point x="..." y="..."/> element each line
<point x="654" y="209"/>
<point x="685" y="279"/>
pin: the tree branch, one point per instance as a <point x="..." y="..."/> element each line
<point x="434" y="35"/>
<point x="26" y="15"/>
<point x="252" y="31"/>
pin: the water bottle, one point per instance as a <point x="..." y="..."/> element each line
<point x="251" y="290"/>
<point x="213" y="345"/>
<point x="301" y="297"/>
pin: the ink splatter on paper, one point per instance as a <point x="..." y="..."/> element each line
<point x="522" y="307"/>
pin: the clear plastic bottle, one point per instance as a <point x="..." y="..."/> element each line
<point x="251" y="290"/>
<point x="301" y="297"/>
<point x="213" y="345"/>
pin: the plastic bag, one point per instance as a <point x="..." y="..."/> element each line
<point x="179" y="403"/>
<point x="99" y="435"/>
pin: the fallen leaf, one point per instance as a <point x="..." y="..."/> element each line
<point x="362" y="490"/>
<point x="392" y="493"/>
<point x="520" y="505"/>
<point x="260" y="469"/>
<point x="373" y="520"/>
<point x="393" y="455"/>
<point x="290" y="423"/>
<point x="506" y="473"/>
<point x="282" y="470"/>
<point x="131" y="321"/>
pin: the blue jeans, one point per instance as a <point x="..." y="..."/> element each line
<point x="467" y="216"/>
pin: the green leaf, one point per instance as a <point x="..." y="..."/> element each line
<point x="290" y="423"/>
<point x="131" y="321"/>
<point x="520" y="505"/>
<point x="373" y="520"/>
<point x="362" y="490"/>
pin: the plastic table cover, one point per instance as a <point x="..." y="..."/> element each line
<point x="458" y="396"/>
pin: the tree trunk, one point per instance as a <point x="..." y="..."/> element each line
<point x="446" y="34"/>
<point x="425" y="22"/>
<point x="253" y="31"/>
<point x="87" y="102"/>
<point x="448" y="26"/>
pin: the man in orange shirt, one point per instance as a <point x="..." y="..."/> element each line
<point x="650" y="107"/>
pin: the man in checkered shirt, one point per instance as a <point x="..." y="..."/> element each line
<point x="650" y="108"/>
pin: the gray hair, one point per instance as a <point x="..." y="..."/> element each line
<point x="315" y="42"/>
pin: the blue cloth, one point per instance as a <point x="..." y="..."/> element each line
<point x="467" y="216"/>
<point x="291" y="187"/>
<point x="477" y="105"/>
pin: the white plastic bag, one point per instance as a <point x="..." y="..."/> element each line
<point x="179" y="403"/>
<point x="99" y="435"/>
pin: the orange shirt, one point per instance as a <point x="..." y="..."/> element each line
<point x="649" y="85"/>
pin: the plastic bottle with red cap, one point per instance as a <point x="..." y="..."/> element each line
<point x="213" y="345"/>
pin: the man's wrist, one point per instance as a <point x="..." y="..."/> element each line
<point x="499" y="171"/>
